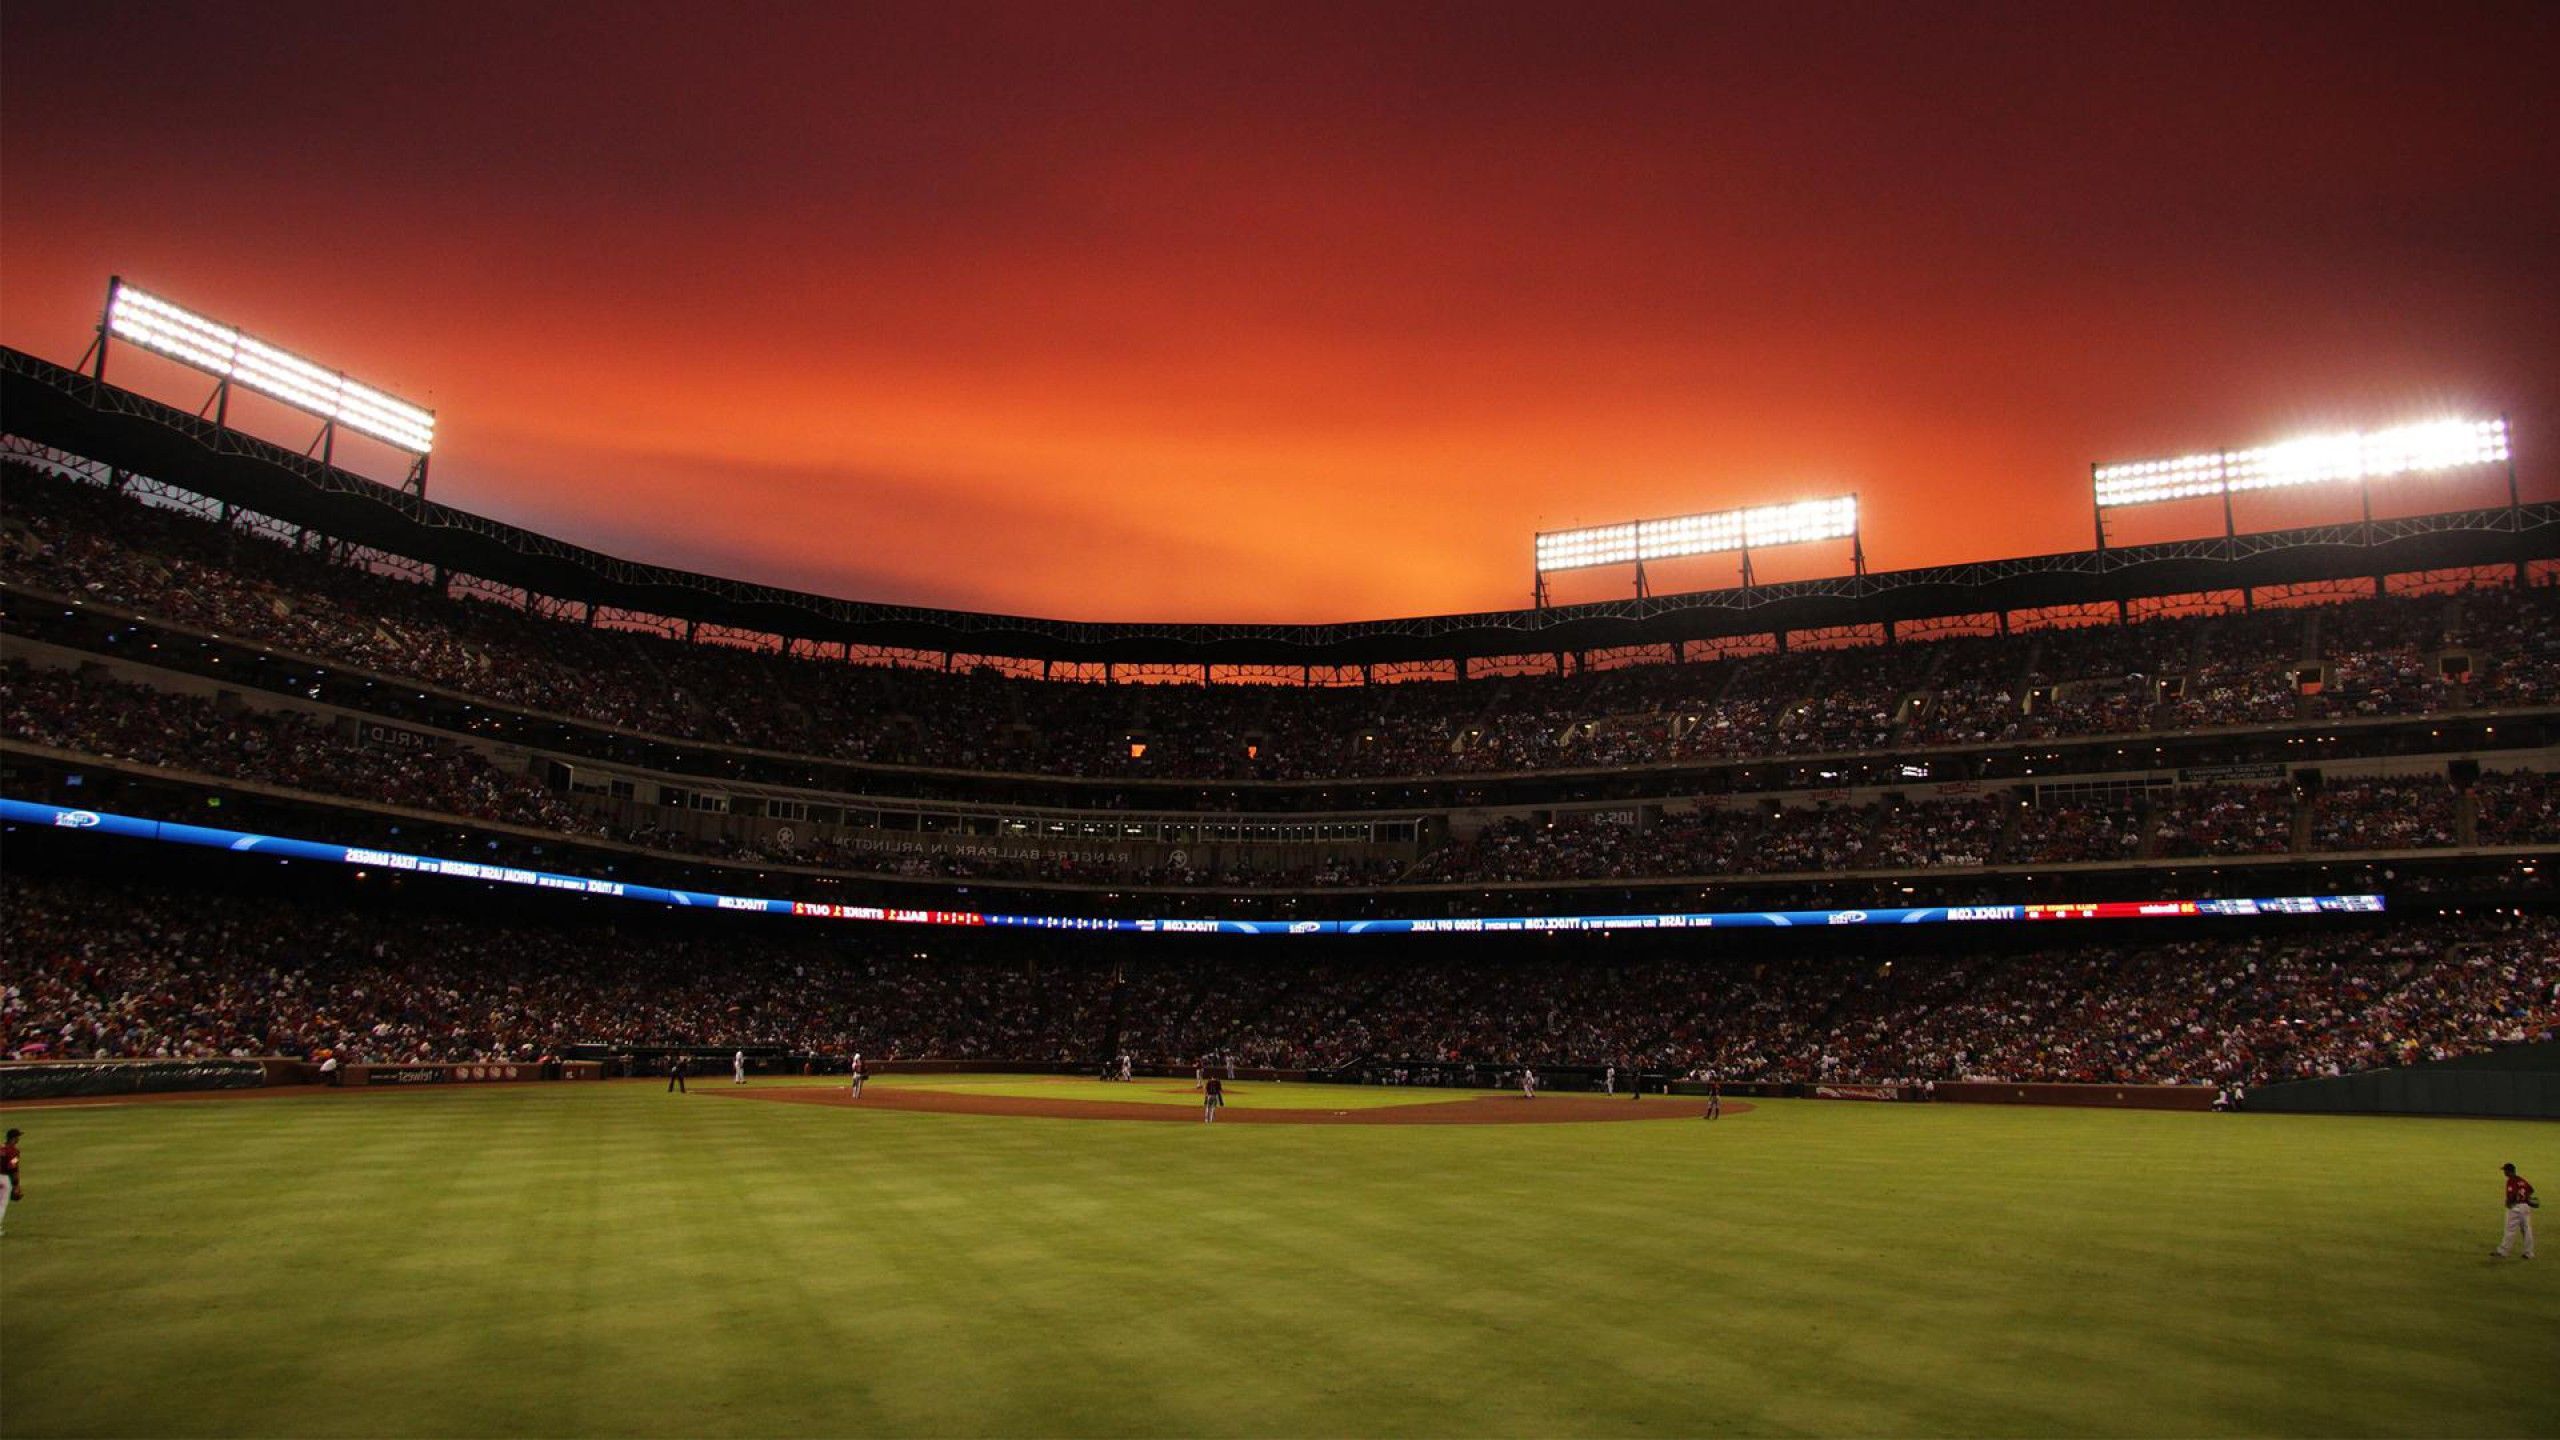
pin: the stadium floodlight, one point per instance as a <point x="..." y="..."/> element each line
<point x="234" y="358"/>
<point x="2313" y="459"/>
<point x="1640" y="541"/>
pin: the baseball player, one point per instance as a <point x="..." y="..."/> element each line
<point x="1609" y="1081"/>
<point x="1715" y="1100"/>
<point x="1231" y="1064"/>
<point x="1124" y="1065"/>
<point x="675" y="1074"/>
<point x="10" y="1186"/>
<point x="1213" y="1098"/>
<point x="857" y="1079"/>
<point x="1528" y="1083"/>
<point x="738" y="1068"/>
<point x="2520" y="1207"/>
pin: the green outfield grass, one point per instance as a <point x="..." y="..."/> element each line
<point x="568" y="1260"/>
<point x="1166" y="1090"/>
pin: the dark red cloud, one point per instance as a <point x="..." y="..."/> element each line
<point x="1220" y="312"/>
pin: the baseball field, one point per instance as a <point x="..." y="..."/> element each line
<point x="560" y="1260"/>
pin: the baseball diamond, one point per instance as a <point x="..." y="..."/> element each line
<point x="617" y="1260"/>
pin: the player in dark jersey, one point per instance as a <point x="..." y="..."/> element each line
<point x="675" y="1074"/>
<point x="11" y="1187"/>
<point x="2520" y="1206"/>
<point x="1213" y="1097"/>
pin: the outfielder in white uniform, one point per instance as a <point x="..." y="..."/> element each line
<point x="1609" y="1081"/>
<point x="1528" y="1083"/>
<point x="738" y="1068"/>
<point x="858" y="1077"/>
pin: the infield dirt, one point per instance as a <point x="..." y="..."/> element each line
<point x="1480" y="1110"/>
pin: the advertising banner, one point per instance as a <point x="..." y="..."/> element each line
<point x="1865" y="1092"/>
<point x="55" y="1079"/>
<point x="478" y="1072"/>
<point x="238" y="841"/>
<point x="2265" y="770"/>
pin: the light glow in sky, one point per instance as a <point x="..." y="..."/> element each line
<point x="1309" y="312"/>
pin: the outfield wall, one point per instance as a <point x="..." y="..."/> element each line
<point x="2116" y="1097"/>
<point x="2519" y="1082"/>
<point x="478" y="1072"/>
<point x="62" y="1079"/>
<point x="67" y="1079"/>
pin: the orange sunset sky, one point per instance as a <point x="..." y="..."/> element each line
<point x="1205" y="312"/>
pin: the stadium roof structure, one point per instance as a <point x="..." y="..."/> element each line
<point x="52" y="405"/>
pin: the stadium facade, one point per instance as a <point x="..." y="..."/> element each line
<point x="2345" y="732"/>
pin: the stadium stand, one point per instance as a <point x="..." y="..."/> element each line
<point x="178" y="656"/>
<point x="113" y="721"/>
<point x="224" y="975"/>
<point x="2373" y="658"/>
<point x="89" y="714"/>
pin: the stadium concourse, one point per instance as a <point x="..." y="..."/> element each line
<point x="180" y="659"/>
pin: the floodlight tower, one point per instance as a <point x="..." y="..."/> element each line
<point x="1718" y="532"/>
<point x="231" y="356"/>
<point x="2361" y="456"/>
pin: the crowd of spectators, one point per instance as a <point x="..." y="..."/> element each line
<point x="2204" y="820"/>
<point x="1613" y="845"/>
<point x="96" y="975"/>
<point x="94" y="715"/>
<point x="2378" y="656"/>
<point x="2215" y="1011"/>
<point x="2390" y="813"/>
<point x="1087" y="867"/>
<point x="2517" y="807"/>
<point x="2086" y="831"/>
<point x="2223" y="820"/>
<point x="88" y="713"/>
<point x="98" y="972"/>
